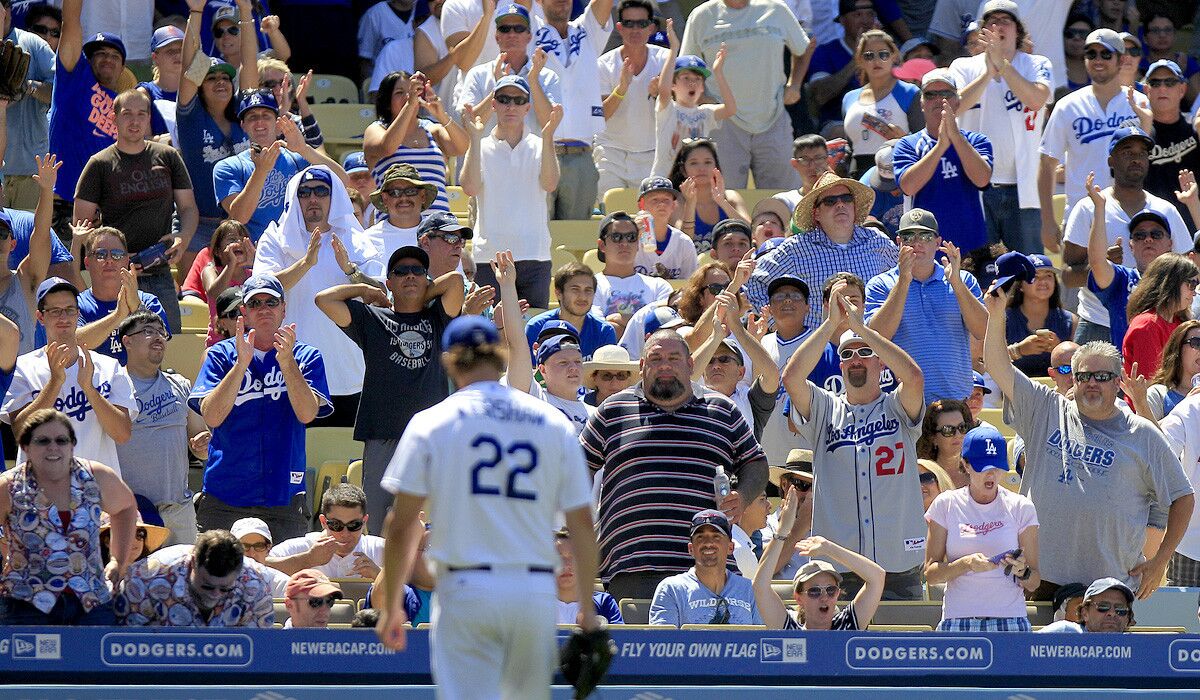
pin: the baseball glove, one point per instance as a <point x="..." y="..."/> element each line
<point x="584" y="660"/>
<point x="14" y="63"/>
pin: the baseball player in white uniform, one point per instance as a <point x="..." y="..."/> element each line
<point x="496" y="465"/>
<point x="867" y="494"/>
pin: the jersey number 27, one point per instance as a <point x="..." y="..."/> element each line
<point x="519" y="458"/>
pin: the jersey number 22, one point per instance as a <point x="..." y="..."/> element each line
<point x="519" y="458"/>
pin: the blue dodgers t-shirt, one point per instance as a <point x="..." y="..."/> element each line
<point x="231" y="175"/>
<point x="202" y="145"/>
<point x="81" y="122"/>
<point x="92" y="309"/>
<point x="22" y="227"/>
<point x="596" y="332"/>
<point x="1116" y="298"/>
<point x="949" y="194"/>
<point x="256" y="456"/>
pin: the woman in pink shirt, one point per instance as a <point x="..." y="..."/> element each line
<point x="1160" y="302"/>
<point x="983" y="543"/>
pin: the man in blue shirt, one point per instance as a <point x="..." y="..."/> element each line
<point x="28" y="131"/>
<point x="256" y="391"/>
<point x="575" y="287"/>
<point x="929" y="310"/>
<point x="944" y="169"/>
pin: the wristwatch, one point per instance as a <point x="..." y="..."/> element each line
<point x="781" y="537"/>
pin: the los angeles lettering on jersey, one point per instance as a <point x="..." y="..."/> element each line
<point x="865" y="433"/>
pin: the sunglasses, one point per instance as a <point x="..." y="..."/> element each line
<point x="950" y="430"/>
<point x="636" y="23"/>
<point x="517" y="100"/>
<point x="43" y="441"/>
<point x="1075" y="33"/>
<point x="43" y="30"/>
<point x="939" y="94"/>
<point x="723" y="360"/>
<point x="1163" y="82"/>
<point x="928" y="478"/>
<point x="721" y="616"/>
<point x="816" y="591"/>
<point x="788" y="296"/>
<point x="231" y="316"/>
<point x="269" y="302"/>
<point x="1062" y="369"/>
<point x="256" y="547"/>
<point x="714" y="289"/>
<point x="882" y="55"/>
<point x="1159" y="30"/>
<point x="449" y="238"/>
<point x="114" y="254"/>
<point x="1104" y="55"/>
<point x="612" y="376"/>
<point x="1192" y="283"/>
<point x="404" y="271"/>
<point x="1134" y="51"/>
<point x="848" y="353"/>
<point x="270" y="84"/>
<point x="219" y="32"/>
<point x="318" y="603"/>
<point x="1155" y="233"/>
<point x="1118" y="610"/>
<point x="804" y="486"/>
<point x="629" y="237"/>
<point x="512" y="29"/>
<point x="337" y="525"/>
<point x="922" y="236"/>
<point x="1100" y="377"/>
<point x="836" y="199"/>
<point x="318" y="191"/>
<point x="405" y="192"/>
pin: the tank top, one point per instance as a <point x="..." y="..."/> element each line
<point x="702" y="233"/>
<point x="14" y="304"/>
<point x="429" y="162"/>
<point x="34" y="528"/>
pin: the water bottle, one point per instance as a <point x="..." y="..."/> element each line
<point x="645" y="224"/>
<point x="721" y="486"/>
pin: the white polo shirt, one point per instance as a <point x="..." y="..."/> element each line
<point x="631" y="126"/>
<point x="512" y="204"/>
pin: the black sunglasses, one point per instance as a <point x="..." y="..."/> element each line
<point x="1100" y="377"/>
<point x="1104" y="55"/>
<point x="1075" y="33"/>
<point x="326" y="602"/>
<point x="721" y="616"/>
<point x="836" y="199"/>
<point x="405" y="270"/>
<point x="928" y="478"/>
<point x="1163" y="82"/>
<point x="1118" y="610"/>
<point x="1193" y="342"/>
<point x="219" y="32"/>
<point x="449" y="238"/>
<point x="715" y="288"/>
<point x="43" y="30"/>
<point x="637" y="23"/>
<point x="512" y="29"/>
<point x="950" y="430"/>
<point x="335" y="525"/>
<point x="270" y="303"/>
<point x="517" y="100"/>
<point x="318" y="191"/>
<point x="627" y="237"/>
<point x="1155" y="233"/>
<point x="403" y="192"/>
<point x="1134" y="51"/>
<point x="939" y="94"/>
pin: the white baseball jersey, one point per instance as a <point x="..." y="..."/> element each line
<point x="1185" y="441"/>
<point x="494" y="460"/>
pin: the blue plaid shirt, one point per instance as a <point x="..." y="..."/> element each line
<point x="814" y="258"/>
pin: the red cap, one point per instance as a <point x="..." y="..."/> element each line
<point x="914" y="69"/>
<point x="311" y="583"/>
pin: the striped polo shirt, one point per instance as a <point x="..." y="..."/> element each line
<point x="658" y="472"/>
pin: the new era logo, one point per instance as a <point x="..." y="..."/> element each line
<point x="783" y="651"/>
<point x="36" y="646"/>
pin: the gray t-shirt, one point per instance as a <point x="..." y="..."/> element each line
<point x="682" y="600"/>
<point x="1095" y="484"/>
<point x="154" y="462"/>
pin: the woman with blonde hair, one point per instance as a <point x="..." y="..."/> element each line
<point x="884" y="107"/>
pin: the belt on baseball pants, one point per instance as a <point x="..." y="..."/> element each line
<point x="570" y="148"/>
<point x="488" y="567"/>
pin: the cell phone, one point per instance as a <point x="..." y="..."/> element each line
<point x="1014" y="553"/>
<point x="150" y="257"/>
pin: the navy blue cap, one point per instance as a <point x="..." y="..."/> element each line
<point x="408" y="251"/>
<point x="54" y="284"/>
<point x="552" y="346"/>
<point x="657" y="183"/>
<point x="557" y="327"/>
<point x="713" y="518"/>
<point x="692" y="63"/>
<point x="1014" y="266"/>
<point x="729" y="226"/>
<point x="1042" y="262"/>
<point x="354" y="162"/>
<point x="788" y="281"/>
<point x="256" y="98"/>
<point x="984" y="448"/>
<point x="444" y="221"/>
<point x="513" y="81"/>
<point x="470" y="331"/>
<point x="1129" y="131"/>
<point x="100" y="39"/>
<point x="512" y="10"/>
<point x="262" y="283"/>
<point x="316" y="175"/>
<point x="663" y="317"/>
<point x="1169" y="65"/>
<point x="5" y="219"/>
<point x="1149" y="215"/>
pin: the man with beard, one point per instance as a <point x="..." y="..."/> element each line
<point x="644" y="539"/>
<point x="1098" y="475"/>
<point x="862" y="443"/>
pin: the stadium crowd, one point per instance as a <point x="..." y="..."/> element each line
<point x="902" y="304"/>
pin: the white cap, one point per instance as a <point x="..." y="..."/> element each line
<point x="251" y="526"/>
<point x="850" y="337"/>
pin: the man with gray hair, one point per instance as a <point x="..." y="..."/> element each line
<point x="1097" y="474"/>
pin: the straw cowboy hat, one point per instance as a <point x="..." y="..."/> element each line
<point x="799" y="464"/>
<point x="613" y="358"/>
<point x="864" y="197"/>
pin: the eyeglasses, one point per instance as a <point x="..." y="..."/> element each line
<point x="405" y="270"/>
<point x="512" y="29"/>
<point x="1105" y="608"/>
<point x="449" y="238"/>
<point x="270" y="84"/>
<point x="1134" y="51"/>
<point x="950" y="430"/>
<point x="114" y="254"/>
<point x="219" y="32"/>
<point x="517" y="100"/>
<point x="1156" y="233"/>
<point x="612" y="376"/>
<point x="403" y="192"/>
<point x="61" y="312"/>
<point x="788" y="296"/>
<point x="921" y="236"/>
<point x="318" y="603"/>
<point x="721" y="616"/>
<point x="636" y="23"/>
<point x="723" y="360"/>
<point x="1192" y="283"/>
<point x="149" y="333"/>
<point x="1193" y="342"/>
<point x="1104" y="55"/>
<point x="269" y="302"/>
<point x="882" y="55"/>
<point x="836" y="199"/>
<point x="1163" y="82"/>
<point x="623" y="237"/>
<point x="43" y="441"/>
<point x="318" y="191"/>
<point x="1100" y="377"/>
<point x="851" y="352"/>
<point x="939" y="94"/>
<point x="335" y="525"/>
<point x="1062" y="369"/>
<point x="256" y="547"/>
<point x="43" y="30"/>
<point x="928" y="478"/>
<point x="816" y="591"/>
<point x="1075" y="33"/>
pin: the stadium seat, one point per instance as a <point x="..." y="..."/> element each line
<point x="185" y="354"/>
<point x="1044" y="380"/>
<point x="723" y="628"/>
<point x="193" y="315"/>
<point x="1060" y="207"/>
<point x="704" y="259"/>
<point x="620" y="199"/>
<point x="328" y="475"/>
<point x="354" y="473"/>
<point x="576" y="235"/>
<point x="591" y="258"/>
<point x="783" y="589"/>
<point x="364" y="90"/>
<point x="754" y="196"/>
<point x="342" y="612"/>
<point x="281" y="612"/>
<point x="1170" y="605"/>
<point x="1040" y="612"/>
<point x="458" y="201"/>
<point x="1144" y="629"/>
<point x="995" y="416"/>
<point x="328" y="88"/>
<point x="635" y="611"/>
<point x="355" y="588"/>
<point x="331" y="444"/>
<point x="343" y="126"/>
<point x="935" y="592"/>
<point x="558" y="257"/>
<point x="1011" y="479"/>
<point x="906" y="612"/>
<point x="899" y="628"/>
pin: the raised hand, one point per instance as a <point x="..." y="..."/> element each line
<point x="59" y="356"/>
<point x="478" y="299"/>
<point x="284" y="341"/>
<point x="854" y="314"/>
<point x="1187" y="192"/>
<point x="787" y="518"/>
<point x="47" y="171"/>
<point x="719" y="61"/>
<point x="270" y="24"/>
<point x="196" y="5"/>
<point x="322" y="550"/>
<point x="1116" y="252"/>
<point x="302" y="88"/>
<point x="245" y="343"/>
<point x="905" y="264"/>
<point x="314" y="247"/>
<point x="339" y="252"/>
<point x="626" y="76"/>
<point x="87" y="369"/>
<point x="266" y="157"/>
<point x="505" y="269"/>
<point x="672" y="37"/>
<point x="556" y="115"/>
<point x="1095" y="194"/>
<point x="953" y="263"/>
<point x="500" y="68"/>
<point x="743" y="271"/>
<point x="1134" y="384"/>
<point x="537" y="62"/>
<point x="757" y="325"/>
<point x="996" y="300"/>
<point x="129" y="287"/>
<point x="812" y="546"/>
<point x="718" y="184"/>
<point x="688" y="189"/>
<point x="1145" y="116"/>
<point x="474" y="125"/>
<point x="291" y="133"/>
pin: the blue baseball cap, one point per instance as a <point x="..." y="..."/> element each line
<point x="663" y="317"/>
<point x="5" y="219"/>
<point x="769" y="245"/>
<point x="692" y="63"/>
<point x="1149" y="215"/>
<point x="316" y="175"/>
<point x="984" y="448"/>
<point x="1127" y="132"/>
<point x="164" y="36"/>
<point x="355" y="162"/>
<point x="1169" y="65"/>
<point x="469" y="331"/>
<point x="552" y="346"/>
<point x="513" y="81"/>
<point x="444" y="221"/>
<point x="54" y="284"/>
<point x="657" y="183"/>
<point x="712" y="518"/>
<point x="256" y="98"/>
<point x="100" y="39"/>
<point x="1041" y="262"/>
<point x="262" y="283"/>
<point x="978" y="383"/>
<point x="1014" y="265"/>
<point x="558" y="327"/>
<point x="512" y="10"/>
